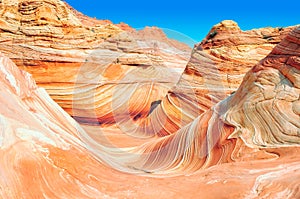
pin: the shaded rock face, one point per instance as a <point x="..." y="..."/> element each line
<point x="239" y="148"/>
<point x="61" y="47"/>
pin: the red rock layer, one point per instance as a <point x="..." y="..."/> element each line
<point x="66" y="51"/>
<point x="259" y="124"/>
<point x="215" y="70"/>
<point x="245" y="146"/>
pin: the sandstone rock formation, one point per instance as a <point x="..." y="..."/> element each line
<point x="215" y="71"/>
<point x="247" y="143"/>
<point x="60" y="47"/>
<point x="264" y="112"/>
<point x="235" y="51"/>
<point x="258" y="124"/>
<point x="157" y="133"/>
<point x="88" y="21"/>
<point x="67" y="51"/>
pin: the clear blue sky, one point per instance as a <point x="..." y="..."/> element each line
<point x="192" y="18"/>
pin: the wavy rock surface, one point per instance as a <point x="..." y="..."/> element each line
<point x="259" y="124"/>
<point x="242" y="146"/>
<point x="215" y="71"/>
<point x="246" y="146"/>
<point x="69" y="54"/>
<point x="264" y="112"/>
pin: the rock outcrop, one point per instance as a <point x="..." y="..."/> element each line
<point x="244" y="146"/>
<point x="88" y="21"/>
<point x="215" y="70"/>
<point x="259" y="124"/>
<point x="83" y="62"/>
<point x="59" y="47"/>
<point x="229" y="126"/>
<point x="263" y="113"/>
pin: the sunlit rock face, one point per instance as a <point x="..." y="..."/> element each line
<point x="96" y="70"/>
<point x="80" y="61"/>
<point x="215" y="70"/>
<point x="88" y="21"/>
<point x="228" y="42"/>
<point x="246" y="146"/>
<point x="150" y="130"/>
<point x="255" y="130"/>
<point x="33" y="128"/>
<point x="264" y="112"/>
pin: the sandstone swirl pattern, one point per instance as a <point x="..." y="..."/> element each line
<point x="215" y="70"/>
<point x="263" y="113"/>
<point x="55" y="43"/>
<point x="44" y="152"/>
<point x="101" y="74"/>
<point x="212" y="132"/>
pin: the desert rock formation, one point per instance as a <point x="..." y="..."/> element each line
<point x="225" y="124"/>
<point x="263" y="113"/>
<point x="215" y="70"/>
<point x="61" y="47"/>
<point x="243" y="155"/>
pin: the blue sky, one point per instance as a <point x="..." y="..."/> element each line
<point x="190" y="21"/>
